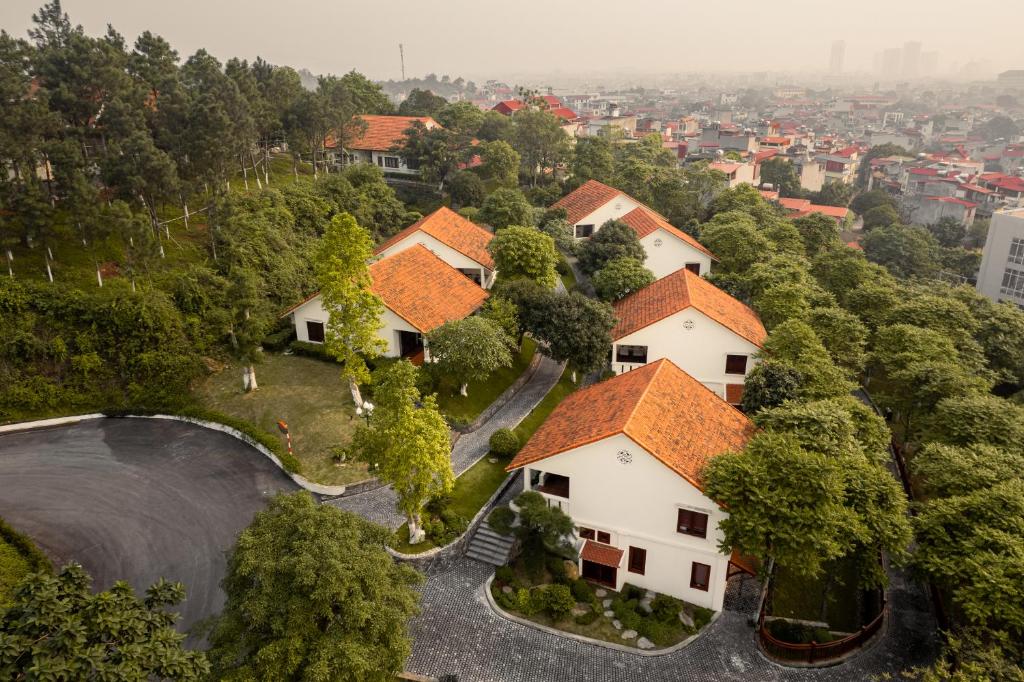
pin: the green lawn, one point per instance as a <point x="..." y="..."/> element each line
<point x="472" y="489"/>
<point x="464" y="409"/>
<point x="308" y="395"/>
<point x="801" y="598"/>
<point x="557" y="394"/>
<point x="13" y="567"/>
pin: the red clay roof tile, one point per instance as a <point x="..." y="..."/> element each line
<point x="451" y="229"/>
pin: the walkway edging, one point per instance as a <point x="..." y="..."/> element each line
<point x="301" y="481"/>
<point x="587" y="640"/>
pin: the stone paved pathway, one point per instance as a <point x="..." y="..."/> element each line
<point x="378" y="505"/>
<point x="459" y="633"/>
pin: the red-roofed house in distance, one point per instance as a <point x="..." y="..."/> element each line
<point x="508" y="106"/>
<point x="930" y="210"/>
<point x="420" y="293"/>
<point x="841" y="165"/>
<point x="625" y="459"/>
<point x="667" y="248"/>
<point x="376" y="143"/>
<point x="799" y="208"/>
<point x="693" y="323"/>
<point x="457" y="241"/>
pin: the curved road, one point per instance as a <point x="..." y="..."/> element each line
<point x="137" y="499"/>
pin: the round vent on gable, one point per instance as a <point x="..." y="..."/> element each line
<point x="658" y="242"/>
<point x="687" y="324"/>
<point x="625" y="456"/>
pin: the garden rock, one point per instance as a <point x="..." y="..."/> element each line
<point x="609" y="614"/>
<point x="686" y="619"/>
<point x="616" y="624"/>
<point x="601" y="593"/>
<point x="571" y="571"/>
<point x="580" y="610"/>
<point x="644" y="643"/>
<point x="645" y="604"/>
<point x="506" y="589"/>
<point x="648" y="595"/>
<point x="607" y="603"/>
<point x="629" y="634"/>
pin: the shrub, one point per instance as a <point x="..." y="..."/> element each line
<point x="658" y="632"/>
<point x="500" y="520"/>
<point x="625" y="611"/>
<point x="557" y="570"/>
<point x="27" y="549"/>
<point x="438" y="505"/>
<point x="524" y="604"/>
<point x="504" y="443"/>
<point x="311" y="350"/>
<point x="701" y="616"/>
<point x="666" y="608"/>
<point x="632" y="592"/>
<point x="797" y="633"/>
<point x="279" y="340"/>
<point x="505" y="601"/>
<point x="533" y="562"/>
<point x="582" y="591"/>
<point x="559" y="601"/>
<point x="586" y="618"/>
<point x="504" y="575"/>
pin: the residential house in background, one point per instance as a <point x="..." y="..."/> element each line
<point x="928" y="210"/>
<point x="841" y="165"/>
<point x="377" y="142"/>
<point x="592" y="204"/>
<point x="737" y="173"/>
<point x="1001" y="277"/>
<point x="667" y="247"/>
<point x="459" y="242"/>
<point x="624" y="458"/>
<point x="799" y="208"/>
<point x="709" y="334"/>
<point x="420" y="293"/>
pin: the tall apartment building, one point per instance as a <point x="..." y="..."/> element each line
<point x="835" y="62"/>
<point x="1001" y="277"/>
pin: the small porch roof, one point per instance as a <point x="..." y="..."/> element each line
<point x="600" y="553"/>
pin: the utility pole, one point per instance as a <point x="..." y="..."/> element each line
<point x="401" y="55"/>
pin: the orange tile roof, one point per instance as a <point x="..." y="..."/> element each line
<point x="644" y="222"/>
<point x="586" y="199"/>
<point x="602" y="554"/>
<point x="451" y="229"/>
<point x="383" y="132"/>
<point x="663" y="409"/>
<point x="679" y="291"/>
<point x="423" y="290"/>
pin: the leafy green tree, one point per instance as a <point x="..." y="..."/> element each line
<point x="796" y="344"/>
<point x="843" y="335"/>
<point x="421" y="103"/>
<point x="407" y="443"/>
<point x="542" y="526"/>
<point x="950" y="470"/>
<point x="733" y="237"/>
<point x="780" y="173"/>
<point x="496" y="126"/>
<point x="615" y="239"/>
<point x="770" y="384"/>
<point x="818" y="232"/>
<point x="506" y="206"/>
<point x="575" y="329"/>
<point x="504" y="313"/>
<point x="977" y="418"/>
<point x="905" y="251"/>
<point x="436" y="151"/>
<point x="997" y="127"/>
<point x="745" y="199"/>
<point x="500" y="162"/>
<point x="881" y="216"/>
<point x="249" y="324"/>
<point x="540" y="141"/>
<point x="525" y="252"/>
<point x="843" y="271"/>
<point x="468" y="350"/>
<point x="530" y="299"/>
<point x="467" y="189"/>
<point x="866" y="201"/>
<point x="620" y="277"/>
<point x="785" y="503"/>
<point x="1001" y="326"/>
<point x="784" y="301"/>
<point x="312" y="594"/>
<point x="834" y="194"/>
<point x="877" y="152"/>
<point x="353" y="309"/>
<point x="57" y="628"/>
<point x="592" y="160"/>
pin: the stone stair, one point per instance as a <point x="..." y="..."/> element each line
<point x="490" y="547"/>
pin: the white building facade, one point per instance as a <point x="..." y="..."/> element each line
<point x="1001" y="277"/>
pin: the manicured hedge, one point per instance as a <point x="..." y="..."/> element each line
<point x="311" y="350"/>
<point x="279" y="340"/>
<point x="25" y="547"/>
<point x="267" y="440"/>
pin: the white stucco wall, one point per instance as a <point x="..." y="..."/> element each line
<point x="672" y="255"/>
<point x="638" y="503"/>
<point x="616" y="208"/>
<point x="699" y="351"/>
<point x="444" y="252"/>
<point x="391" y="324"/>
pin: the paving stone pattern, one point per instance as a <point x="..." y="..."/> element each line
<point x="459" y="633"/>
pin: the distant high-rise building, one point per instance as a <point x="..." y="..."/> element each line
<point x="912" y="59"/>
<point x="835" y="62"/>
<point x="1012" y="79"/>
<point x="891" y="60"/>
<point x="929" y="63"/>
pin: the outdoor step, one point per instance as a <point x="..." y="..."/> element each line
<point x="487" y="558"/>
<point x="490" y="548"/>
<point x="486" y="532"/>
<point x="493" y="539"/>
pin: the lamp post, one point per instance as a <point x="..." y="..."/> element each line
<point x="365" y="411"/>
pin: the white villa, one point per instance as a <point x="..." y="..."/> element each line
<point x="420" y="293"/>
<point x="667" y="248"/>
<point x="457" y="241"/>
<point x="624" y="459"/>
<point x="693" y="323"/>
<point x="377" y="142"/>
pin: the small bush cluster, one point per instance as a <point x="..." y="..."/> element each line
<point x="500" y="520"/>
<point x="440" y="523"/>
<point x="278" y="341"/>
<point x="311" y="350"/>
<point x="797" y="633"/>
<point x="504" y="443"/>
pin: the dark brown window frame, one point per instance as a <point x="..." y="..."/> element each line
<point x="604" y="537"/>
<point x="690" y="527"/>
<point x="323" y="331"/>
<point x="637" y="560"/>
<point x="732" y="370"/>
<point x="587" y="533"/>
<point x="693" y="577"/>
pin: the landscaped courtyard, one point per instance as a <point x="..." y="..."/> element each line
<point x="305" y="393"/>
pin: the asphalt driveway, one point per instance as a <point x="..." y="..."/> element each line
<point x="137" y="499"/>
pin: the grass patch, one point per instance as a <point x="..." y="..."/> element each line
<point x="18" y="557"/>
<point x="557" y="394"/>
<point x="472" y="489"/>
<point x="462" y="409"/>
<point x="801" y="598"/>
<point x="567" y="275"/>
<point x="309" y="395"/>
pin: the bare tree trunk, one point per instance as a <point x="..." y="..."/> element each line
<point x="463" y="389"/>
<point x="245" y="172"/>
<point x="416" y="534"/>
<point x="357" y="396"/>
<point x="255" y="170"/>
<point x="252" y="378"/>
<point x="49" y="272"/>
<point x="266" y="164"/>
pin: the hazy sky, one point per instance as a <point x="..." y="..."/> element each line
<point x="498" y="38"/>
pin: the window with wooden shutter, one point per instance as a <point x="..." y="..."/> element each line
<point x="315" y="331"/>
<point x="587" y="533"/>
<point x="637" y="560"/>
<point x="604" y="537"/>
<point x="700" y="576"/>
<point x="693" y="523"/>
<point x="735" y="364"/>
